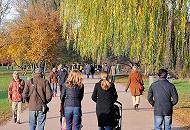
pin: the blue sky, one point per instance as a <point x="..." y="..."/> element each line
<point x="12" y="13"/>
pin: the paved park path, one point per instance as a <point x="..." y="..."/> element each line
<point x="132" y="120"/>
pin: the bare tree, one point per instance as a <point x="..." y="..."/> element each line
<point x="49" y="4"/>
<point x="5" y="6"/>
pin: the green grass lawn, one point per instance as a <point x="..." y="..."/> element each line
<point x="5" y="105"/>
<point x="3" y="69"/>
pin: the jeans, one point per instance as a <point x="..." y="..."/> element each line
<point x="105" y="128"/>
<point x="35" y="116"/>
<point x="113" y="78"/>
<point x="60" y="87"/>
<point x="159" y="120"/>
<point x="54" y="88"/>
<point x="16" y="110"/>
<point x="73" y="117"/>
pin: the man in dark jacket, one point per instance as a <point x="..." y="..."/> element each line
<point x="37" y="92"/>
<point x="162" y="96"/>
<point x="62" y="76"/>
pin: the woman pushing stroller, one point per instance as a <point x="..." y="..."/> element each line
<point x="105" y="96"/>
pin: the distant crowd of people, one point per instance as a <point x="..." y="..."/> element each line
<point x="38" y="92"/>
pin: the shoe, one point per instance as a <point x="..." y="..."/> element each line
<point x="137" y="107"/>
<point x="18" y="122"/>
<point x="14" y="119"/>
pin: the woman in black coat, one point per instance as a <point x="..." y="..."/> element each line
<point x="105" y="96"/>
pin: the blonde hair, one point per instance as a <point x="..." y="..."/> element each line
<point x="74" y="79"/>
<point x="105" y="84"/>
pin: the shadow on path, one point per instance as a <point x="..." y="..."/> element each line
<point x="182" y="107"/>
<point x="117" y="92"/>
<point x="140" y="109"/>
<point x="128" y="109"/>
<point x="49" y="118"/>
<point x="181" y="128"/>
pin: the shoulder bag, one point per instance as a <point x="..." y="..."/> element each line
<point x="45" y="108"/>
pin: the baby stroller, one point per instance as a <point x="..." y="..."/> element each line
<point x="118" y="115"/>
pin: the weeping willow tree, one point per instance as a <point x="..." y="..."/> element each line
<point x="153" y="32"/>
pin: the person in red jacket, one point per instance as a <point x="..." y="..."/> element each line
<point x="15" y="96"/>
<point x="53" y="79"/>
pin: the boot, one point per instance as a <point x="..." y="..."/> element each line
<point x="137" y="107"/>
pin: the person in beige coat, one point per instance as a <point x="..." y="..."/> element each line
<point x="53" y="80"/>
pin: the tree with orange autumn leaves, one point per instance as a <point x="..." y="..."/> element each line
<point x="33" y="37"/>
<point x="3" y="50"/>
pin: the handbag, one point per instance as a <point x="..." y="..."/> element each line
<point x="141" y="87"/>
<point x="45" y="108"/>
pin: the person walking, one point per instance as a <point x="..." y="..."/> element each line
<point x="92" y="70"/>
<point x="41" y="66"/>
<point x="105" y="95"/>
<point x="15" y="96"/>
<point x="87" y="70"/>
<point x="38" y="94"/>
<point x="62" y="76"/>
<point x="105" y="68"/>
<point x="113" y="73"/>
<point x="71" y="96"/>
<point x="135" y="83"/>
<point x="99" y="69"/>
<point x="80" y="68"/>
<point x="162" y="96"/>
<point x="53" y="79"/>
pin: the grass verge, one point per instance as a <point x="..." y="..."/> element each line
<point x="5" y="110"/>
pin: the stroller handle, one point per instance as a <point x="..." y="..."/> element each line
<point x="118" y="103"/>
